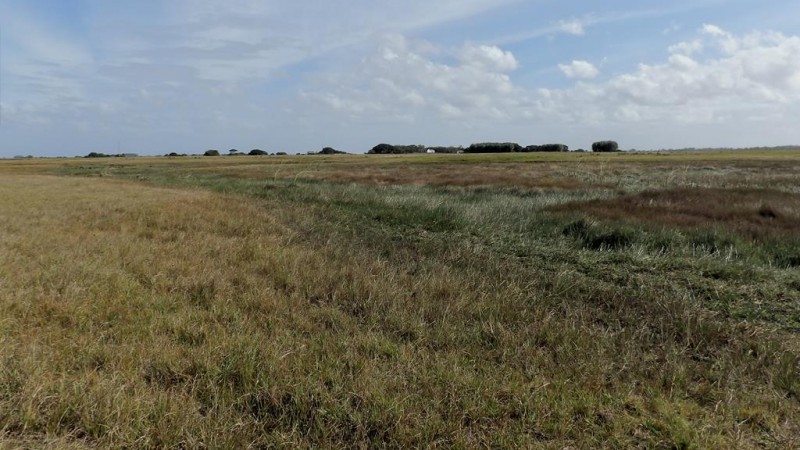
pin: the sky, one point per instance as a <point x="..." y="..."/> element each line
<point x="153" y="76"/>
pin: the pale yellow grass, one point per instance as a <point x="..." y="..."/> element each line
<point x="150" y="317"/>
<point x="101" y="281"/>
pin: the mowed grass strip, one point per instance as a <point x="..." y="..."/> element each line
<point x="137" y="316"/>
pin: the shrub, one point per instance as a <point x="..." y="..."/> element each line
<point x="605" y="146"/>
<point x="257" y="152"/>
<point x="211" y="153"/>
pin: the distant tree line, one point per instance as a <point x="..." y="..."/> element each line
<point x="103" y="155"/>
<point x="494" y="147"/>
<point x="234" y="152"/>
<point x="259" y="152"/>
<point x="487" y="147"/>
<point x="512" y="147"/>
<point x="387" y="149"/>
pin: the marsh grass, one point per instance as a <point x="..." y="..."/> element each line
<point x="280" y="310"/>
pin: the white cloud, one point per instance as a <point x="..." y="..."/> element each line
<point x="488" y="57"/>
<point x="713" y="30"/>
<point x="574" y="27"/>
<point x="232" y="42"/>
<point x="756" y="72"/>
<point x="582" y="70"/>
<point x="404" y="75"/>
<point x="682" y="62"/>
<point x="687" y="48"/>
<point x="703" y="85"/>
<point x="721" y="38"/>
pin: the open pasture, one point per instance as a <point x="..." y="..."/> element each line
<point x="535" y="300"/>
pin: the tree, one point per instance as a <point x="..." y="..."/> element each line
<point x="330" y="151"/>
<point x="211" y="153"/>
<point x="382" y="149"/>
<point x="605" y="146"/>
<point x="257" y="152"/>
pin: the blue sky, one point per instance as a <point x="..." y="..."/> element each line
<point x="153" y="77"/>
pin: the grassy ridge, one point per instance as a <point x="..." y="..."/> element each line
<point x="289" y="310"/>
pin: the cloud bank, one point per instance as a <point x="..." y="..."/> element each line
<point x="715" y="79"/>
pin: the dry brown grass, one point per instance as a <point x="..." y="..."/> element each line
<point x="756" y="213"/>
<point x="104" y="283"/>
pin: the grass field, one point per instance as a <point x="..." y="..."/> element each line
<point x="534" y="301"/>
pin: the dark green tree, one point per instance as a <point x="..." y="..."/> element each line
<point x="605" y="146"/>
